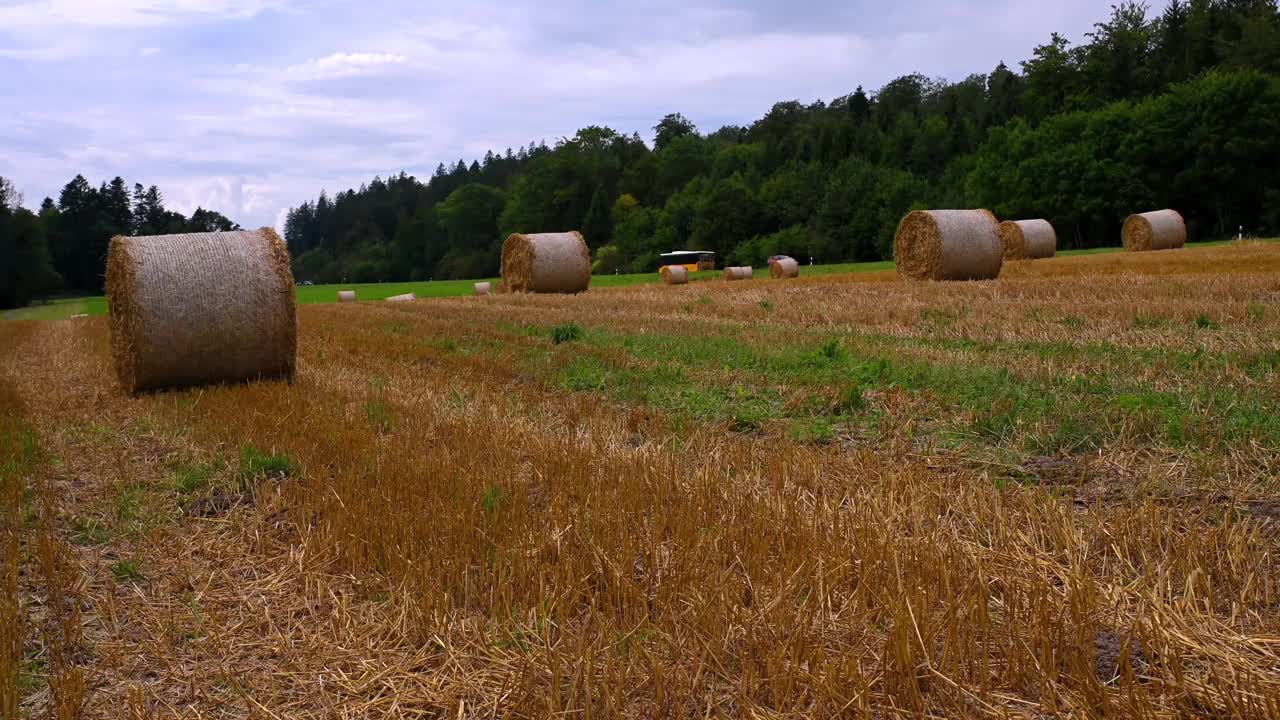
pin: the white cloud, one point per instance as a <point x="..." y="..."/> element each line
<point x="341" y="65"/>
<point x="123" y="13"/>
<point x="253" y="116"/>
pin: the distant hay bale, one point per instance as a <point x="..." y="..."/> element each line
<point x="546" y="263"/>
<point x="1159" y="230"/>
<point x="407" y="297"/>
<point x="346" y="296"/>
<point x="948" y="245"/>
<point x="201" y="308"/>
<point x="737" y="273"/>
<point x="674" y="275"/>
<point x="483" y="288"/>
<point x="784" y="268"/>
<point x="1028" y="239"/>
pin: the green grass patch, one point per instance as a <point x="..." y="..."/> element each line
<point x="567" y="332"/>
<point x="258" y="465"/>
<point x="126" y="570"/>
<point x="87" y="532"/>
<point x="192" y="479"/>
<point x="379" y="416"/>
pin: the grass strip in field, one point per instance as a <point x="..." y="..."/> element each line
<point x="313" y="294"/>
<point x="970" y="393"/>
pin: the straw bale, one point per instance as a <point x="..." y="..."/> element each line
<point x="1028" y="239"/>
<point x="1159" y="230"/>
<point x="407" y="297"/>
<point x="483" y="288"/>
<point x="675" y="274"/>
<point x="346" y="296"/>
<point x="201" y="308"/>
<point x="784" y="268"/>
<point x="546" y="263"/>
<point x="737" y="273"/>
<point x="948" y="245"/>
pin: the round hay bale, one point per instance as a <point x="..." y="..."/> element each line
<point x="546" y="263"/>
<point x="674" y="275"/>
<point x="346" y="296"/>
<point x="737" y="273"/>
<point x="201" y="308"/>
<point x="948" y="245"/>
<point x="1159" y="230"/>
<point x="407" y="297"/>
<point x="483" y="288"/>
<point x="1028" y="239"/>
<point x="784" y="268"/>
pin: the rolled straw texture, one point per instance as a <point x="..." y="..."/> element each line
<point x="737" y="273"/>
<point x="201" y="308"/>
<point x="407" y="297"/>
<point x="675" y="275"/>
<point x="1159" y="230"/>
<point x="784" y="269"/>
<point x="483" y="288"/>
<point x="546" y="263"/>
<point x="948" y="245"/>
<point x="346" y="296"/>
<point x="1028" y="239"/>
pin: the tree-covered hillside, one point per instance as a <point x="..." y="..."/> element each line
<point x="1177" y="109"/>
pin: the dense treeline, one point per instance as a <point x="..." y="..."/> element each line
<point x="1181" y="109"/>
<point x="63" y="248"/>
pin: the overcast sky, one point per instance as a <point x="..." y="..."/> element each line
<point x="253" y="106"/>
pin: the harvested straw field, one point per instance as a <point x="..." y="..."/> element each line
<point x="1051" y="495"/>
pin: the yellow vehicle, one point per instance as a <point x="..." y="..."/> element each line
<point x="691" y="260"/>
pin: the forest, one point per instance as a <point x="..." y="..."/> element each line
<point x="62" y="248"/>
<point x="1177" y="108"/>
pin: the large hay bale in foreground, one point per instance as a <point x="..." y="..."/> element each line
<point x="948" y="245"/>
<point x="346" y="296"/>
<point x="201" y="308"/>
<point x="407" y="297"/>
<point x="1159" y="230"/>
<point x="784" y="268"/>
<point x="1028" y="239"/>
<point x="737" y="273"/>
<point x="546" y="263"/>
<point x="674" y="275"/>
<point x="483" y="288"/>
